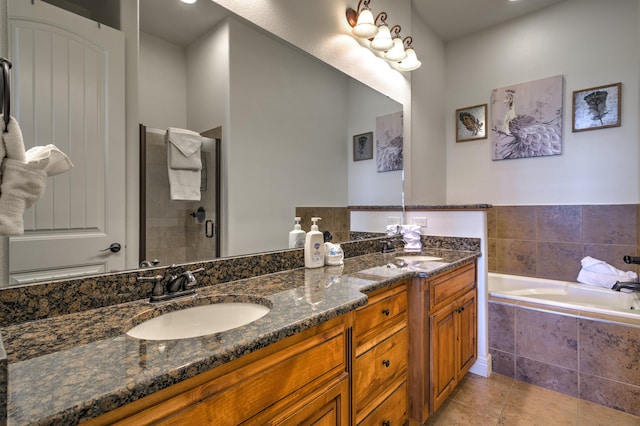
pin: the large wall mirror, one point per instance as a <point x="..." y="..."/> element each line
<point x="286" y="122"/>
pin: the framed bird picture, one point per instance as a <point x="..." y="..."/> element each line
<point x="471" y="123"/>
<point x="597" y="108"/>
<point x="526" y="119"/>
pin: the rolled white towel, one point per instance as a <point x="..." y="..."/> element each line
<point x="598" y="272"/>
<point x="57" y="161"/>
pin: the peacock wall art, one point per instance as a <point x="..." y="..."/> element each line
<point x="527" y="119"/>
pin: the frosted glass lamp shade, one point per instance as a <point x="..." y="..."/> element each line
<point x="365" y="27"/>
<point x="382" y="40"/>
<point x="411" y="62"/>
<point x="396" y="53"/>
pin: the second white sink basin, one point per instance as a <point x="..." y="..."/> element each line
<point x="198" y="321"/>
<point x="418" y="258"/>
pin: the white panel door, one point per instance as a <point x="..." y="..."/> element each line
<point x="68" y="90"/>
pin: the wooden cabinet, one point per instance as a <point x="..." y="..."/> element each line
<point x="302" y="379"/>
<point x="443" y="330"/>
<point x="453" y="339"/>
<point x="381" y="342"/>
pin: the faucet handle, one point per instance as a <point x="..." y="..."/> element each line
<point x="158" y="285"/>
<point x="190" y="279"/>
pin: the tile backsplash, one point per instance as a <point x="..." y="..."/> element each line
<point x="336" y="220"/>
<point x="549" y="241"/>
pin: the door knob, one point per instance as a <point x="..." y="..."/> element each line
<point x="113" y="248"/>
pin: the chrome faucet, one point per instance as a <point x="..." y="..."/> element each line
<point x="628" y="285"/>
<point x="173" y="286"/>
<point x="149" y="264"/>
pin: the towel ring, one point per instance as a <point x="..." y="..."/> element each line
<point x="5" y="92"/>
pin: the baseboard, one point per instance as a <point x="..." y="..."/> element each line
<point x="482" y="366"/>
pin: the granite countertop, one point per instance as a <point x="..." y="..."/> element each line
<point x="77" y="366"/>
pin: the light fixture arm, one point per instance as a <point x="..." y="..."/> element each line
<point x="383" y="19"/>
<point x="396" y="30"/>
<point x="364" y="3"/>
<point x="407" y="42"/>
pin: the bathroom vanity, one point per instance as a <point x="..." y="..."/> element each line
<point x="338" y="346"/>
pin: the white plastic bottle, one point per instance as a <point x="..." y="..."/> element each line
<point x="296" y="237"/>
<point x="314" y="246"/>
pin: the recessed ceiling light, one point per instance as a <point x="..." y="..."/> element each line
<point x="193" y="1"/>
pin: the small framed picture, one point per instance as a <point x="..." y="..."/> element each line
<point x="471" y="123"/>
<point x="597" y="107"/>
<point x="363" y="146"/>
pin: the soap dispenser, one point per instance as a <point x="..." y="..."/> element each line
<point x="314" y="246"/>
<point x="297" y="235"/>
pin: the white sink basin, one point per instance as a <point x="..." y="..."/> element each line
<point x="198" y="321"/>
<point x="411" y="259"/>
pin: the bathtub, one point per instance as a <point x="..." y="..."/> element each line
<point x="564" y="294"/>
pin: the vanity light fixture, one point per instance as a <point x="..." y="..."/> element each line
<point x="411" y="62"/>
<point x="382" y="41"/>
<point x="189" y="1"/>
<point x="365" y="26"/>
<point x="396" y="53"/>
<point x="391" y="48"/>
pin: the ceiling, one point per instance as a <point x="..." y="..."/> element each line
<point x="175" y="21"/>
<point x="452" y="19"/>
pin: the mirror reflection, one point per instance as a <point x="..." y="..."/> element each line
<point x="285" y="122"/>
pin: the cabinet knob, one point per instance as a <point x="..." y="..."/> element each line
<point x="386" y="362"/>
<point x="386" y="423"/>
<point x="386" y="312"/>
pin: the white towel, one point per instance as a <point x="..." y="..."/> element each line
<point x="411" y="236"/>
<point x="13" y="142"/>
<point x="599" y="273"/>
<point x="183" y="149"/>
<point x="56" y="161"/>
<point x="23" y="177"/>
<point x="184" y="163"/>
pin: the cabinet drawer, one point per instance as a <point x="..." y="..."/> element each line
<point x="381" y="310"/>
<point x="243" y="393"/>
<point x="392" y="411"/>
<point x="378" y="367"/>
<point x="446" y="288"/>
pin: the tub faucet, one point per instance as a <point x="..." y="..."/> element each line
<point x="629" y="285"/>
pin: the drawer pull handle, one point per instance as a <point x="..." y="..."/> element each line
<point x="386" y="312"/>
<point x="386" y="362"/>
<point x="386" y="423"/>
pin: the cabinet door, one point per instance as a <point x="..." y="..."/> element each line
<point x="328" y="407"/>
<point x="443" y="362"/>
<point x="467" y="331"/>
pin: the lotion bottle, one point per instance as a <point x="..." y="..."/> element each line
<point x="297" y="235"/>
<point x="314" y="246"/>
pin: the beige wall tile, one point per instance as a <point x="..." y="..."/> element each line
<point x="559" y="223"/>
<point x="610" y="224"/>
<point x="516" y="257"/>
<point x="491" y="222"/>
<point x="611" y="351"/>
<point x="548" y="338"/>
<point x="547" y="375"/>
<point x="559" y="261"/>
<point x="610" y="393"/>
<point x="516" y="222"/>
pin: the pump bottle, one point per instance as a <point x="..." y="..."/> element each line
<point x="314" y="246"/>
<point x="296" y="236"/>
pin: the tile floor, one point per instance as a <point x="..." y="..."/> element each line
<point x="503" y="401"/>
